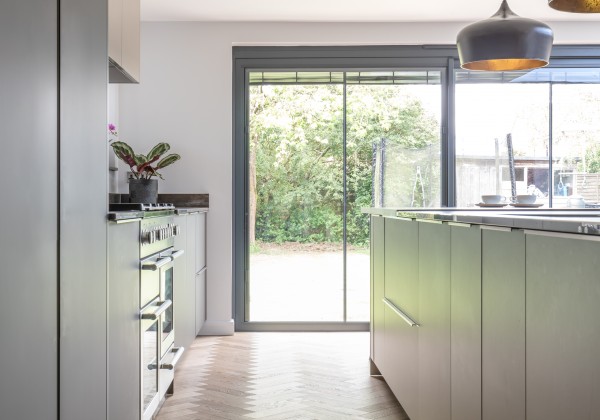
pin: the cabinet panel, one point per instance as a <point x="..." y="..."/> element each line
<point x="200" y="300"/>
<point x="401" y="265"/>
<point x="130" y="44"/>
<point x="563" y="332"/>
<point x="184" y="288"/>
<point x="377" y="285"/>
<point x="465" y="322"/>
<point x="503" y="325"/>
<point x="400" y="361"/>
<point x="123" y="321"/>
<point x="200" y="241"/>
<point x="115" y="20"/>
<point x="434" y="320"/>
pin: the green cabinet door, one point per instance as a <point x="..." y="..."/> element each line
<point x="434" y="320"/>
<point x="563" y="327"/>
<point x="503" y="324"/>
<point x="401" y="264"/>
<point x="377" y="285"/>
<point x="400" y="358"/>
<point x="465" y="321"/>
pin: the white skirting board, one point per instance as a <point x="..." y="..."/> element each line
<point x="217" y="327"/>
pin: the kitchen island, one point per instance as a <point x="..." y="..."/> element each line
<point x="487" y="313"/>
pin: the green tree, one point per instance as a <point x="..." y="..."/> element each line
<point x="296" y="148"/>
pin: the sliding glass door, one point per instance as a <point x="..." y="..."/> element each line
<point x="321" y="146"/>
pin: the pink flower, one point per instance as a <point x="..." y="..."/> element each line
<point x="111" y="127"/>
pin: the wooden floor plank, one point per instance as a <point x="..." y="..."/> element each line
<point x="279" y="376"/>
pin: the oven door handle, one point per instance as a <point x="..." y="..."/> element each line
<point x="170" y="366"/>
<point x="176" y="254"/>
<point x="155" y="265"/>
<point x="158" y="312"/>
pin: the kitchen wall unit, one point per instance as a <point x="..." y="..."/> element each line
<point x="124" y="41"/>
<point x="485" y="322"/>
<point x="123" y="320"/>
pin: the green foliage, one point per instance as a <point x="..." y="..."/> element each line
<point x="592" y="160"/>
<point x="141" y="165"/>
<point x="296" y="134"/>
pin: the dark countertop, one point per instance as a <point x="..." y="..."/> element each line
<point x="552" y="220"/>
<point x="190" y="210"/>
<point x="115" y="216"/>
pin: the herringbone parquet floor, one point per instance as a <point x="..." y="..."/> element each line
<point x="279" y="376"/>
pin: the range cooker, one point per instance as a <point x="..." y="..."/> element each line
<point x="157" y="274"/>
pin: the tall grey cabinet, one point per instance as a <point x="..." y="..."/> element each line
<point x="28" y="261"/>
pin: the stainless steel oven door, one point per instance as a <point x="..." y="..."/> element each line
<point x="167" y="272"/>
<point x="149" y="343"/>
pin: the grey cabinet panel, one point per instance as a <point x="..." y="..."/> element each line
<point x="200" y="300"/>
<point x="400" y="365"/>
<point x="200" y="242"/>
<point x="401" y="265"/>
<point x="28" y="277"/>
<point x="377" y="286"/>
<point x="184" y="300"/>
<point x="83" y="203"/>
<point x="503" y="325"/>
<point x="123" y="321"/>
<point x="465" y="322"/>
<point x="563" y="328"/>
<point x="434" y="321"/>
<point x="130" y="32"/>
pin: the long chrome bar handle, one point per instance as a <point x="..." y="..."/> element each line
<point x="178" y="353"/>
<point x="158" y="312"/>
<point x="402" y="315"/>
<point x="155" y="265"/>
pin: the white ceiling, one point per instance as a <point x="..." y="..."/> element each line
<point x="346" y="10"/>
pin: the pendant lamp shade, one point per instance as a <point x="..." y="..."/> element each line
<point x="505" y="42"/>
<point x="576" y="6"/>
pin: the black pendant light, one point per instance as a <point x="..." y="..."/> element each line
<point x="505" y="42"/>
<point x="576" y="6"/>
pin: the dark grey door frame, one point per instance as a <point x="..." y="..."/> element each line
<point x="246" y="59"/>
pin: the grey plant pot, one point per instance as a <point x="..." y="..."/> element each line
<point x="143" y="190"/>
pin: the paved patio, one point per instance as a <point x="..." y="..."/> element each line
<point x="307" y="285"/>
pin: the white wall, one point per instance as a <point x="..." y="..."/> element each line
<point x="185" y="98"/>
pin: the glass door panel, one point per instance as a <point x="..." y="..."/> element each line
<point x="323" y="145"/>
<point x="392" y="159"/>
<point x="295" y="221"/>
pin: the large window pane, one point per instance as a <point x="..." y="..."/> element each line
<point x="491" y="112"/>
<point x="576" y="142"/>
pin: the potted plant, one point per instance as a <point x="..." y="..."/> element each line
<point x="143" y="188"/>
